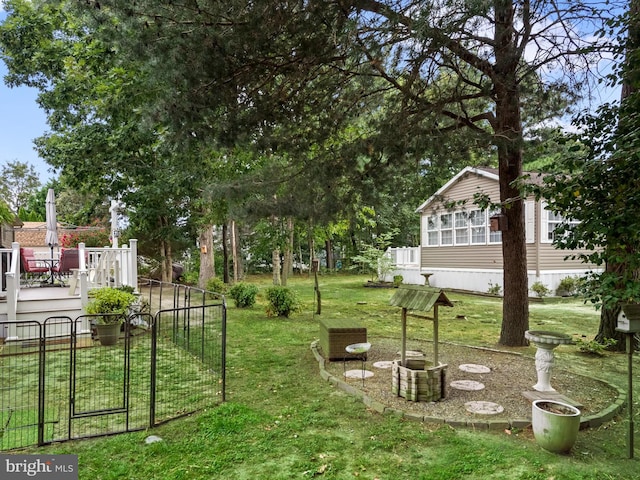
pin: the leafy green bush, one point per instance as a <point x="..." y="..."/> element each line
<point x="494" y="289"/>
<point x="591" y="347"/>
<point x="568" y="286"/>
<point x="216" y="285"/>
<point x="540" y="289"/>
<point x="397" y="280"/>
<point x="110" y="301"/>
<point x="282" y="302"/>
<point x="244" y="294"/>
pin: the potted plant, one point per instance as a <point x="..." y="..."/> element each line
<point x="110" y="307"/>
<point x="555" y="425"/>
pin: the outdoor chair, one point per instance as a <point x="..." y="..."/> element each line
<point x="69" y="261"/>
<point x="32" y="269"/>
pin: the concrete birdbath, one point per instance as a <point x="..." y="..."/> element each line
<point x="545" y="342"/>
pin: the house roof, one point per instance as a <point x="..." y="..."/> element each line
<point x="31" y="234"/>
<point x="487" y="172"/>
<point x="491" y="173"/>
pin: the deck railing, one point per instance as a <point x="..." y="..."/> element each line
<point x="98" y="267"/>
<point x="404" y="255"/>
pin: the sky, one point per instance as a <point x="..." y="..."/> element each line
<point x="21" y="120"/>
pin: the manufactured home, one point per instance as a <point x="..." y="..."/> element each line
<point x="459" y="249"/>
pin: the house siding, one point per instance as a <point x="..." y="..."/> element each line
<point x="475" y="267"/>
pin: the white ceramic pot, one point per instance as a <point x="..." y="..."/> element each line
<point x="555" y="425"/>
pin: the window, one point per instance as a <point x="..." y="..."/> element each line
<point x="551" y="221"/>
<point x="432" y="230"/>
<point x="458" y="228"/>
<point x="446" y="229"/>
<point x="461" y="228"/>
<point x="494" y="237"/>
<point x="478" y="221"/>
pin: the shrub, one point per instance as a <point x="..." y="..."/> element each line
<point x="494" y="289"/>
<point x="216" y="285"/>
<point x="540" y="289"/>
<point x="244" y="294"/>
<point x="397" y="280"/>
<point x="591" y="347"/>
<point x="110" y="301"/>
<point x="91" y="237"/>
<point x="282" y="302"/>
<point x="567" y="286"/>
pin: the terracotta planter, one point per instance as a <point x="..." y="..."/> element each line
<point x="555" y="425"/>
<point x="108" y="334"/>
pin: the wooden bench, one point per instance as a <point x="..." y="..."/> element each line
<point x="336" y="334"/>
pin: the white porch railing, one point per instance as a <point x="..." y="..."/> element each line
<point x="406" y="262"/>
<point x="401" y="256"/>
<point x="98" y="267"/>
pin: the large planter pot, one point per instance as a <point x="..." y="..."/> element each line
<point x="555" y="425"/>
<point x="108" y="334"/>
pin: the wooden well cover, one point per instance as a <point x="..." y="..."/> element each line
<point x="419" y="297"/>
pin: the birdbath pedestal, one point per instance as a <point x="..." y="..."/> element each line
<point x="545" y="342"/>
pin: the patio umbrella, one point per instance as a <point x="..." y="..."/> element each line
<point x="51" y="238"/>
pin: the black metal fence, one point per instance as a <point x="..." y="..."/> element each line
<point x="59" y="382"/>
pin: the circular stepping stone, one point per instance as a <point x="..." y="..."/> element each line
<point x="467" y="385"/>
<point x="474" y="368"/>
<point x="484" y="408"/>
<point x="358" y="374"/>
<point x="383" y="364"/>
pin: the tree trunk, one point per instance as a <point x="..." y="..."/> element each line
<point x="607" y="328"/>
<point x="287" y="266"/>
<point x="508" y="140"/>
<point x="275" y="260"/>
<point x="328" y="245"/>
<point x="225" y="254"/>
<point x="207" y="266"/>
<point x="234" y="251"/>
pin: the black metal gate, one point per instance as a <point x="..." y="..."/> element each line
<point x="62" y="384"/>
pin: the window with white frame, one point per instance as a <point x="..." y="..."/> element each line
<point x="550" y="222"/>
<point x="478" y="222"/>
<point x="461" y="228"/>
<point x="494" y="237"/>
<point x="446" y="229"/>
<point x="433" y="232"/>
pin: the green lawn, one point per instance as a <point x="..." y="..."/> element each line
<point x="283" y="421"/>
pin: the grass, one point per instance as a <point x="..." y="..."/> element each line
<point x="283" y="421"/>
<point x="183" y="385"/>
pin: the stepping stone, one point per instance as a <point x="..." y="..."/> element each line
<point x="484" y="408"/>
<point x="358" y="374"/>
<point x="474" y="368"/>
<point x="467" y="385"/>
<point x="383" y="364"/>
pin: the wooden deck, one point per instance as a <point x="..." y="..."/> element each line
<point x="44" y="293"/>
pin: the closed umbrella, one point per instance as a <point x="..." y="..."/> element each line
<point x="51" y="238"/>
